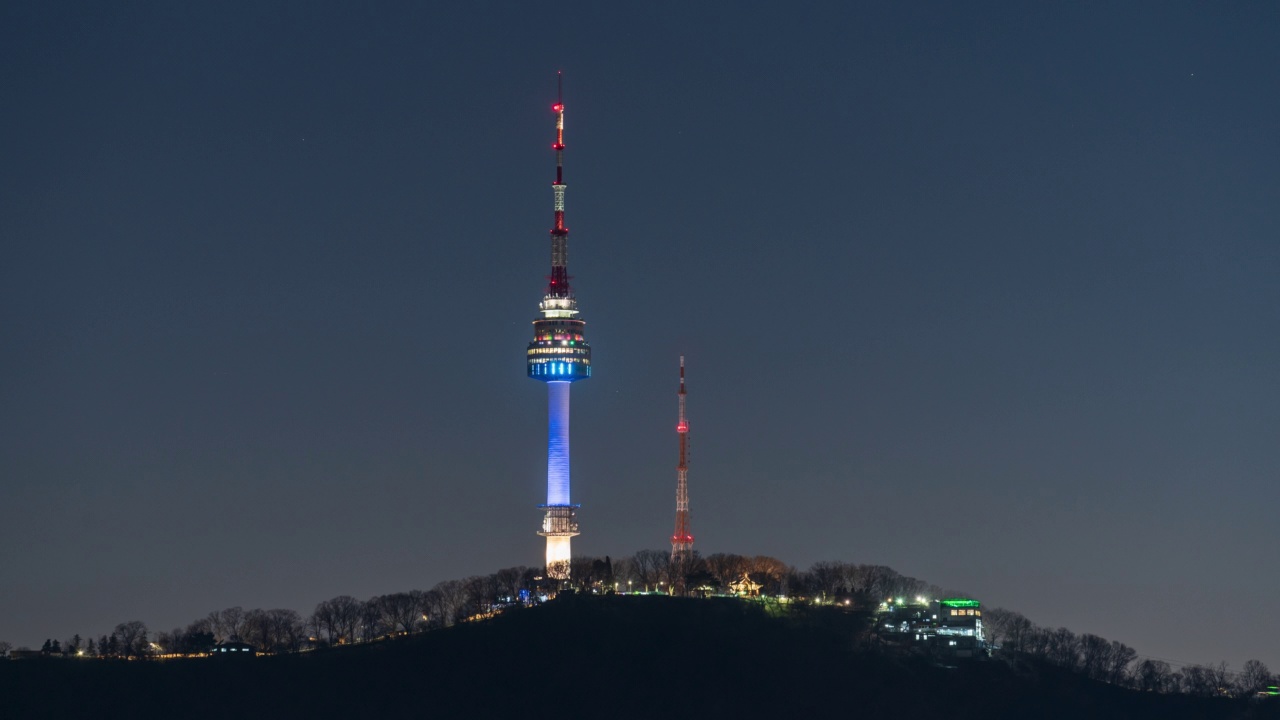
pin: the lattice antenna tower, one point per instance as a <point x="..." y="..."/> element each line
<point x="682" y="539"/>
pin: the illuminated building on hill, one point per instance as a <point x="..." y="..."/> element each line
<point x="951" y="627"/>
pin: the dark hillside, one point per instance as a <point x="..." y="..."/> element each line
<point x="628" y="657"/>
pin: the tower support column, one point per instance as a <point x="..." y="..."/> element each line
<point x="560" y="523"/>
<point x="558" y="443"/>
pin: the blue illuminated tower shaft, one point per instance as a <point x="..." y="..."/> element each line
<point x="559" y="355"/>
<point x="558" y="443"/>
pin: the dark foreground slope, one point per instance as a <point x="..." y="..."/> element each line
<point x="628" y="657"/>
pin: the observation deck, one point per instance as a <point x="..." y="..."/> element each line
<point x="559" y="351"/>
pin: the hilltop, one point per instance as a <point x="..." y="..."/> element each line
<point x="613" y="656"/>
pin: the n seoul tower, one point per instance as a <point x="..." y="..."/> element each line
<point x="558" y="356"/>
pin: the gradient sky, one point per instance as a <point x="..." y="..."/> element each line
<point x="987" y="294"/>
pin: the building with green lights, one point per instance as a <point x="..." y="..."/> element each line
<point x="958" y="629"/>
<point x="950" y="628"/>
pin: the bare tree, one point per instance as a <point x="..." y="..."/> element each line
<point x="133" y="638"/>
<point x="5" y="647"/>
<point x="511" y="581"/>
<point x="446" y="601"/>
<point x="481" y="591"/>
<point x="907" y="587"/>
<point x="1153" y="676"/>
<point x="581" y="571"/>
<point x="317" y="627"/>
<point x="1006" y="628"/>
<point x="726" y="568"/>
<point x="1119" y="659"/>
<point x="214" y="620"/>
<point x="277" y="630"/>
<point x="800" y="584"/>
<point x="402" y="610"/>
<point x="624" y="573"/>
<point x="1254" y="677"/>
<point x="337" y="619"/>
<point x="171" y="641"/>
<point x="1199" y="680"/>
<point x="433" y="608"/>
<point x="686" y="574"/>
<point x="227" y="624"/>
<point x="256" y="630"/>
<point x="767" y="571"/>
<point x="198" y="637"/>
<point x="1038" y="641"/>
<point x="697" y="577"/>
<point x="1063" y="649"/>
<point x="650" y="567"/>
<point x="324" y="621"/>
<point x="287" y="629"/>
<point x="1223" y="681"/>
<point x="1094" y="655"/>
<point x="371" y="624"/>
<point x="346" y="616"/>
<point x="828" y="578"/>
<point x="878" y="581"/>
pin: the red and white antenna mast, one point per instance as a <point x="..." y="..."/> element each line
<point x="558" y="285"/>
<point x="682" y="540"/>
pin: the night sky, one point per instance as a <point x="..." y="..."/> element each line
<point x="987" y="294"/>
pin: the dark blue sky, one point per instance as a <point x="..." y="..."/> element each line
<point x="984" y="293"/>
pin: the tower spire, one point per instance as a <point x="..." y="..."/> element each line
<point x="682" y="539"/>
<point x="558" y="283"/>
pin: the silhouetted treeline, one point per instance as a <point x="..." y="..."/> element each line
<point x="345" y="620"/>
<point x="1116" y="663"/>
<point x="616" y="656"/>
